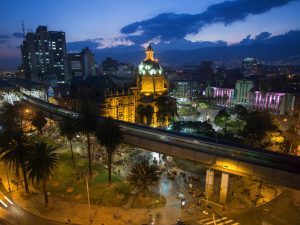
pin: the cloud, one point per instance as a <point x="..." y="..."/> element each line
<point x="263" y="36"/>
<point x="17" y="35"/>
<point x="247" y="40"/>
<point x="99" y="43"/>
<point x="113" y="42"/>
<point x="170" y="26"/>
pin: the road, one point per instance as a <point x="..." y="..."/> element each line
<point x="11" y="214"/>
<point x="284" y="210"/>
<point x="17" y="216"/>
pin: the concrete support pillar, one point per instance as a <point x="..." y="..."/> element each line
<point x="209" y="183"/>
<point x="224" y="187"/>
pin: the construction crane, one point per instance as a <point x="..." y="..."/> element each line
<point x="23" y="29"/>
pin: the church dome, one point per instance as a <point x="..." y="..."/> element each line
<point x="150" y="65"/>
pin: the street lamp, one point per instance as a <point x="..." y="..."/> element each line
<point x="7" y="180"/>
<point x="182" y="202"/>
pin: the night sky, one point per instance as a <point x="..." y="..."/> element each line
<point x="136" y="22"/>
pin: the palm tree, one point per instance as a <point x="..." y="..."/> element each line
<point x="14" y="152"/>
<point x="109" y="135"/>
<point x="141" y="112"/>
<point x="148" y="110"/>
<point x="42" y="165"/>
<point x="68" y="129"/>
<point x="13" y="141"/>
<point x="143" y="176"/>
<point x="87" y="124"/>
<point x="11" y="115"/>
<point x="39" y="121"/>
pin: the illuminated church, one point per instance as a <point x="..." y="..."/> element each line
<point x="150" y="80"/>
<point x="150" y="84"/>
<point x="134" y="102"/>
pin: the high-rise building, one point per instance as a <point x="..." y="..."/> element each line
<point x="75" y="65"/>
<point x="44" y="56"/>
<point x="185" y="89"/>
<point x="243" y="89"/>
<point x="109" y="64"/>
<point x="89" y="64"/>
<point x="81" y="64"/>
<point x="251" y="67"/>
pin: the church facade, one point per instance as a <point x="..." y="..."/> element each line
<point x="135" y="101"/>
<point x="139" y="105"/>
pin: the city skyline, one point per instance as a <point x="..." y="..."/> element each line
<point x="206" y="21"/>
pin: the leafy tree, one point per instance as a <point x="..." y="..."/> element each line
<point x="68" y="128"/>
<point x="13" y="142"/>
<point x="39" y="121"/>
<point x="205" y="128"/>
<point x="87" y="124"/>
<point x="166" y="109"/>
<point x="240" y="111"/>
<point x="42" y="165"/>
<point x="258" y="126"/>
<point x="176" y="125"/>
<point x="143" y="176"/>
<point x="290" y="142"/>
<point x="109" y="135"/>
<point x="222" y="118"/>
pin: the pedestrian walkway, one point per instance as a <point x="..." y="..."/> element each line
<point x="217" y="221"/>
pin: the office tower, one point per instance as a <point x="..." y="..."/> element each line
<point x="251" y="67"/>
<point x="81" y="64"/>
<point x="44" y="56"/>
<point x="109" y="64"/>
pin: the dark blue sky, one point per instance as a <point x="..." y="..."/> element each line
<point x="137" y="22"/>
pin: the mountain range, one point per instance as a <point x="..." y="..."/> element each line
<point x="265" y="47"/>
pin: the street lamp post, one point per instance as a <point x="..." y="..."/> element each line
<point x="88" y="195"/>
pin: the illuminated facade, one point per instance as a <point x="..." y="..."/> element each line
<point x="151" y="84"/>
<point x="122" y="98"/>
<point x="150" y="80"/>
<point x="120" y="106"/>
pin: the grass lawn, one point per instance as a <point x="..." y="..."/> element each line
<point x="69" y="185"/>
